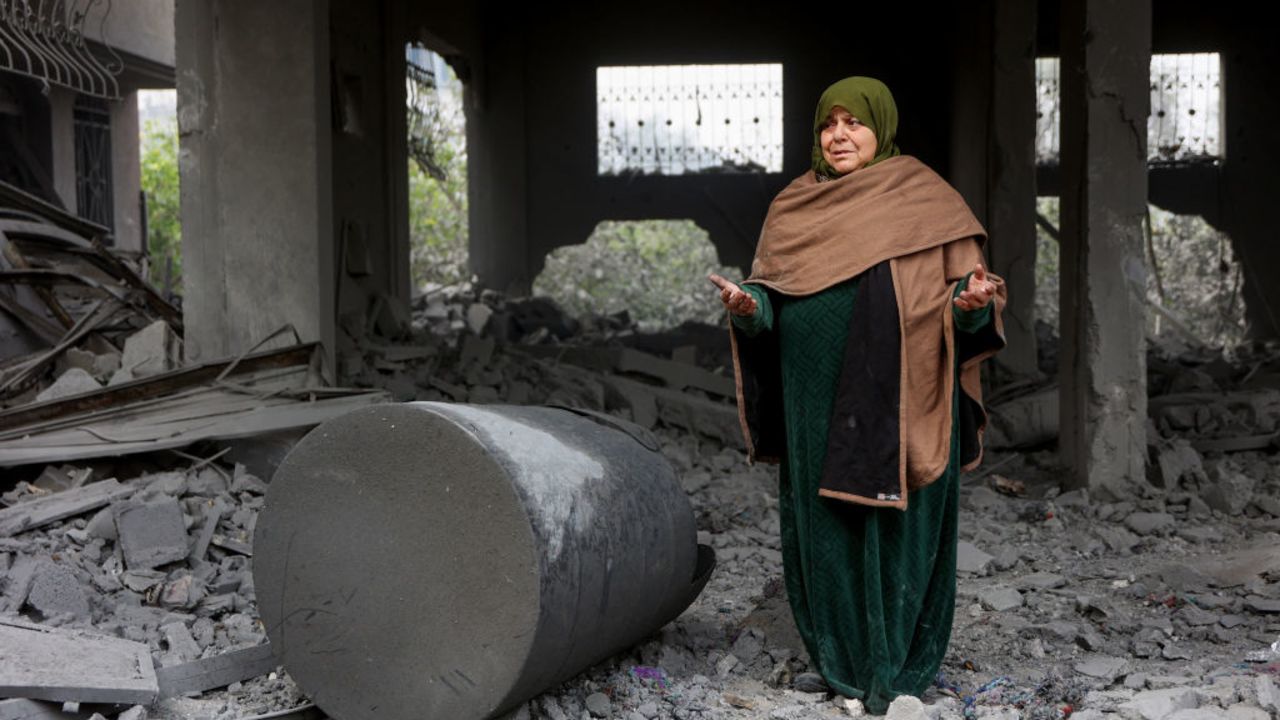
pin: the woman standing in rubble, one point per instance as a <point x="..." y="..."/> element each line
<point x="856" y="346"/>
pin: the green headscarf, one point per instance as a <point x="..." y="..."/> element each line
<point x="870" y="101"/>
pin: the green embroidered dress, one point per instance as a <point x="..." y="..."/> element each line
<point x="872" y="589"/>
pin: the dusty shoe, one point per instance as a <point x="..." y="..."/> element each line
<point x="810" y="683"/>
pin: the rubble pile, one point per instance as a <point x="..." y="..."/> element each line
<point x="1160" y="603"/>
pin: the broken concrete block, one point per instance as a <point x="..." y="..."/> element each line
<point x="103" y="525"/>
<point x="1230" y="490"/>
<point x="51" y="508"/>
<point x="77" y="358"/>
<point x="182" y="593"/>
<point x="1159" y="704"/>
<point x="43" y="663"/>
<point x="150" y="351"/>
<point x="72" y="382"/>
<point x="215" y="672"/>
<point x="969" y="559"/>
<point x="58" y="479"/>
<point x="1173" y="461"/>
<point x="137" y="712"/>
<point x="120" y="376"/>
<point x="18" y="583"/>
<point x="182" y="647"/>
<point x="106" y="365"/>
<point x="207" y="482"/>
<point x="1145" y="523"/>
<point x="1000" y="598"/>
<point x="1105" y="668"/>
<point x="151" y="534"/>
<point x="478" y="316"/>
<point x="56" y="591"/>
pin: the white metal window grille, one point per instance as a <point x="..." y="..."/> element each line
<point x="681" y="119"/>
<point x="1185" y="124"/>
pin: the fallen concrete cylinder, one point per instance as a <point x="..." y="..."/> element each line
<point x="432" y="560"/>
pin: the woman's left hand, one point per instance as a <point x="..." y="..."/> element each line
<point x="979" y="291"/>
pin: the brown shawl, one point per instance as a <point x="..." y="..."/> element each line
<point x="902" y="221"/>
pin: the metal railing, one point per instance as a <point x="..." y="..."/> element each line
<point x="1185" y="124"/>
<point x="681" y="119"/>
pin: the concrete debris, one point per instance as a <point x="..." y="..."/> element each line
<point x="1068" y="604"/>
<point x="55" y="591"/>
<point x="40" y="510"/>
<point x="71" y="382"/>
<point x="42" y="663"/>
<point x="216" y="671"/>
<point x="151" y="533"/>
<point x="150" y="351"/>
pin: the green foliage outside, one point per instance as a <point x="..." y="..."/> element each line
<point x="654" y="269"/>
<point x="160" y="184"/>
<point x="438" y="224"/>
<point x="1193" y="275"/>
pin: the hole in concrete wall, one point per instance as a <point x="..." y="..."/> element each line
<point x="680" y="119"/>
<point x="437" y="170"/>
<point x="655" y="270"/>
<point x="1194" y="280"/>
<point x="1185" y="124"/>
<point x="158" y="149"/>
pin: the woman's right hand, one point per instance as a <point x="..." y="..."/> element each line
<point x="735" y="300"/>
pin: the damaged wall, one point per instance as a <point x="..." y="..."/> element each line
<point x="532" y="132"/>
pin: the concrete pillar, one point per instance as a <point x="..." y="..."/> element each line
<point x="497" y="151"/>
<point x="993" y="164"/>
<point x="255" y="162"/>
<point x="1249" y="179"/>
<point x="126" y="173"/>
<point x="970" y="112"/>
<point x="1011" y="178"/>
<point x="1106" y="57"/>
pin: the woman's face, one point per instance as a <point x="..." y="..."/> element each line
<point x="846" y="143"/>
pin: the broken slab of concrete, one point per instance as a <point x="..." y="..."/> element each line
<point x="150" y="351"/>
<point x="42" y="663"/>
<point x="36" y="513"/>
<point x="72" y="382"/>
<point x="151" y="533"/>
<point x="215" y="672"/>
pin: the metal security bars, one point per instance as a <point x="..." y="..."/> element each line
<point x="681" y="119"/>
<point x="1186" y="108"/>
<point x="45" y="41"/>
<point x="1185" y="124"/>
<point x="92" y="126"/>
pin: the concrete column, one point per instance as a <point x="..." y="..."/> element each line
<point x="1249" y="180"/>
<point x="126" y="173"/>
<point x="1106" y="49"/>
<point x="497" y="149"/>
<point x="255" y="162"/>
<point x="1011" y="178"/>
<point x="970" y="113"/>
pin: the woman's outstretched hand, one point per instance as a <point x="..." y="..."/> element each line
<point x="735" y="300"/>
<point x="978" y="293"/>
